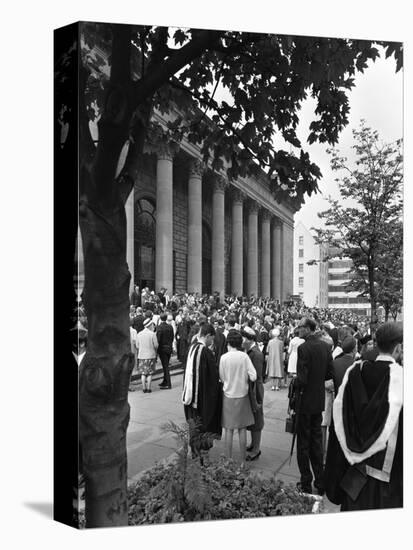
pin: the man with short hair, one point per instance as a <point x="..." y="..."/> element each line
<point x="165" y="335"/>
<point x="364" y="468"/>
<point x="344" y="361"/>
<point x="202" y="392"/>
<point x="314" y="367"/>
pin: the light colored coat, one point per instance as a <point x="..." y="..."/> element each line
<point x="275" y="366"/>
<point x="147" y="344"/>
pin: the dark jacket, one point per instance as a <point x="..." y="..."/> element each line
<point x="135" y="298"/>
<point x="165" y="335"/>
<point x="340" y="365"/>
<point x="314" y="367"/>
<point x="257" y="359"/>
<point x="220" y="345"/>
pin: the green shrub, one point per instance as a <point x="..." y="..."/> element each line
<point x="197" y="489"/>
<point x="194" y="490"/>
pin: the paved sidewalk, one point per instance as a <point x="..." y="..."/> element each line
<point x="147" y="444"/>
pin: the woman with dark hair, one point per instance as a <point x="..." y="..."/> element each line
<point x="235" y="369"/>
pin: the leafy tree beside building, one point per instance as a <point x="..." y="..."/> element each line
<point x="365" y="225"/>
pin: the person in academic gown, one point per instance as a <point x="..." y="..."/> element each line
<point x="364" y="467"/>
<point x="202" y="392"/>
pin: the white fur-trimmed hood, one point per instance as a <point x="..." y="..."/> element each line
<point x="395" y="398"/>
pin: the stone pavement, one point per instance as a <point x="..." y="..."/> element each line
<point x="147" y="444"/>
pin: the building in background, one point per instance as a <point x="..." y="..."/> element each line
<point x="189" y="229"/>
<point x="310" y="268"/>
<point x="340" y="293"/>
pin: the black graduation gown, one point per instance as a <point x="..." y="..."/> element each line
<point x="209" y="406"/>
<point x="348" y="485"/>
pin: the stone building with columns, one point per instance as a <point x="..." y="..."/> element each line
<point x="191" y="230"/>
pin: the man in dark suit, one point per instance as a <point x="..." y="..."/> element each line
<point x="165" y="336"/>
<point x="220" y="342"/>
<point x="314" y="367"/>
<point x="135" y="298"/>
<point x="344" y="361"/>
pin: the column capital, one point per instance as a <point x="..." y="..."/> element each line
<point x="237" y="196"/>
<point x="266" y="215"/>
<point x="196" y="167"/>
<point x="277" y="223"/>
<point x="220" y="183"/>
<point x="158" y="143"/>
<point x="166" y="150"/>
<point x="252" y="206"/>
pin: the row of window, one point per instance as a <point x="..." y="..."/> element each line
<point x="340" y="264"/>
<point x="346" y="300"/>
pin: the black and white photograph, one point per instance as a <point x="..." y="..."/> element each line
<point x="234" y="360"/>
<point x="216" y="282"/>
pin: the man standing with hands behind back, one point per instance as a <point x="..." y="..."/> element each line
<point x="165" y="335"/>
<point x="314" y="367"/>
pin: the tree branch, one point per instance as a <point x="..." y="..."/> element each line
<point x="202" y="41"/>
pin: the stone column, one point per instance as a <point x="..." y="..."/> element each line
<point x="195" y="226"/>
<point x="237" y="243"/>
<point x="265" y="254"/>
<point x="218" y="235"/>
<point x="287" y="236"/>
<point x="130" y="236"/>
<point x="276" y="260"/>
<point x="164" y="220"/>
<point x="252" y="259"/>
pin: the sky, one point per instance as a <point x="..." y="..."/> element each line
<point x="378" y="98"/>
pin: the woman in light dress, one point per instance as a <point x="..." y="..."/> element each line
<point x="295" y="342"/>
<point x="275" y="363"/>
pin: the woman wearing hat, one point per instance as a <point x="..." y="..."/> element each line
<point x="147" y="345"/>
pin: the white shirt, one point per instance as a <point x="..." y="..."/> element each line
<point x="235" y="368"/>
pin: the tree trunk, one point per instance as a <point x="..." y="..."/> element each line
<point x="372" y="291"/>
<point x="107" y="366"/>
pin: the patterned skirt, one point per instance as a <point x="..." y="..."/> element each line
<point x="146" y="366"/>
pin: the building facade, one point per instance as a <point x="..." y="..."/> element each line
<point x="310" y="271"/>
<point x="340" y="293"/>
<point x="190" y="230"/>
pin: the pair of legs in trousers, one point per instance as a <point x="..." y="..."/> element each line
<point x="310" y="451"/>
<point x="165" y="357"/>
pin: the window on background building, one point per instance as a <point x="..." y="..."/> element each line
<point x="300" y="268"/>
<point x="300" y="281"/>
<point x="301" y="241"/>
<point x="301" y="253"/>
<point x="301" y="294"/>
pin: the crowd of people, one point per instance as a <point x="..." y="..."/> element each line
<point x="343" y="374"/>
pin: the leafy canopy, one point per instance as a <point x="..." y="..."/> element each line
<point x="263" y="79"/>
